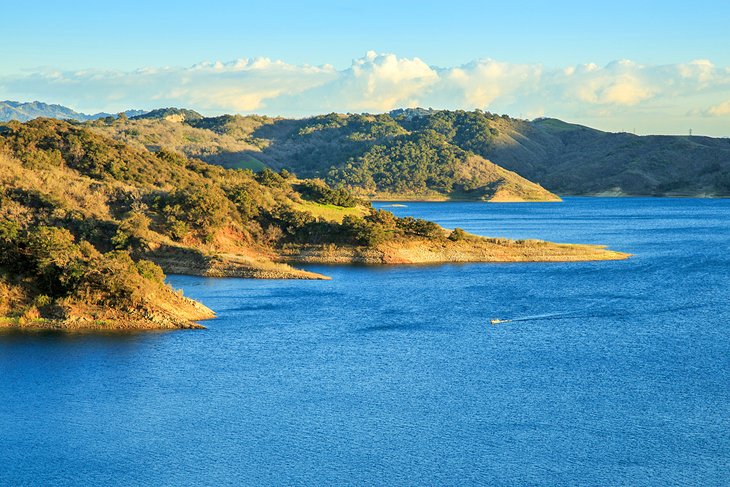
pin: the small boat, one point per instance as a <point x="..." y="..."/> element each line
<point x="497" y="321"/>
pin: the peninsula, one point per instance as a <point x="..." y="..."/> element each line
<point x="90" y="224"/>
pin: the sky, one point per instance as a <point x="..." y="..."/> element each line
<point x="644" y="67"/>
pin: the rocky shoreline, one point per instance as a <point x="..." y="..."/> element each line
<point x="175" y="312"/>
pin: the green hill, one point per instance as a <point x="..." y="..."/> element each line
<point x="375" y="156"/>
<point x="421" y="153"/>
<point x="424" y="154"/>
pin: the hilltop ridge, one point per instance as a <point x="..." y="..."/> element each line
<point x="373" y="156"/>
<point x="441" y="154"/>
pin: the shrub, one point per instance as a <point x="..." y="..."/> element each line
<point x="247" y="198"/>
<point x="150" y="271"/>
<point x="199" y="206"/>
<point x="419" y="227"/>
<point x="457" y="234"/>
<point x="318" y="191"/>
<point x="269" y="178"/>
<point x="132" y="232"/>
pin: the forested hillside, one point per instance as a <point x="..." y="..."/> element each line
<point x="422" y="154"/>
<point x="372" y="155"/>
<point x="573" y="159"/>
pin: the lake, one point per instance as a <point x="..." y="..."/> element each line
<point x="610" y="373"/>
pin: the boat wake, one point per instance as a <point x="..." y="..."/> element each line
<point x="591" y="313"/>
<point x="548" y="316"/>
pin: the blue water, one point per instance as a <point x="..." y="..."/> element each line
<point x="613" y="373"/>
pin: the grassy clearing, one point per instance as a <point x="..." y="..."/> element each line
<point x="330" y="212"/>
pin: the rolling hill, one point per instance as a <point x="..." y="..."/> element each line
<point x="375" y="156"/>
<point x="574" y="159"/>
<point x="431" y="154"/>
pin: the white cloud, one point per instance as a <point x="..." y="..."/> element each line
<point x="239" y="86"/>
<point x="619" y="91"/>
<point x="482" y="82"/>
<point x="719" y="110"/>
<point x="382" y="82"/>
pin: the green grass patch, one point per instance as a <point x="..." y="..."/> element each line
<point x="329" y="212"/>
<point x="248" y="163"/>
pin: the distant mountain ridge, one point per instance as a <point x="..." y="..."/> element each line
<point x="24" y="111"/>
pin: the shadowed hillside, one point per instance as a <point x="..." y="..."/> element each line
<point x="573" y="159"/>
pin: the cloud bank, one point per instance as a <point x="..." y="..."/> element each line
<point x="613" y="96"/>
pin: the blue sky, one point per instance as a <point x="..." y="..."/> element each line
<point x="531" y="58"/>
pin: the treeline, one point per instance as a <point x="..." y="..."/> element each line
<point x="377" y="227"/>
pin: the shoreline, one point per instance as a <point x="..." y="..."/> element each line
<point x="565" y="195"/>
<point x="411" y="253"/>
<point x="449" y="199"/>
<point x="473" y="250"/>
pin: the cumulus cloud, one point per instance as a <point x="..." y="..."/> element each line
<point x="719" y="110"/>
<point x="482" y="82"/>
<point x="242" y="85"/>
<point x="383" y="82"/>
<point x="622" y="90"/>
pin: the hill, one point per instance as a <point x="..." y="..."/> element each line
<point x="428" y="154"/>
<point x="375" y="156"/>
<point x="574" y="159"/>
<point x="439" y="154"/>
<point x="24" y="111"/>
<point x="89" y="225"/>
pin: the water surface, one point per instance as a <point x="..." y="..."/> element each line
<point x="612" y="372"/>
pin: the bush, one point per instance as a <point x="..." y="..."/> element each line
<point x="132" y="232"/>
<point x="199" y="206"/>
<point x="269" y="178"/>
<point x="364" y="232"/>
<point x="150" y="271"/>
<point x="457" y="234"/>
<point x="248" y="199"/>
<point x="419" y="227"/>
<point x="318" y="191"/>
